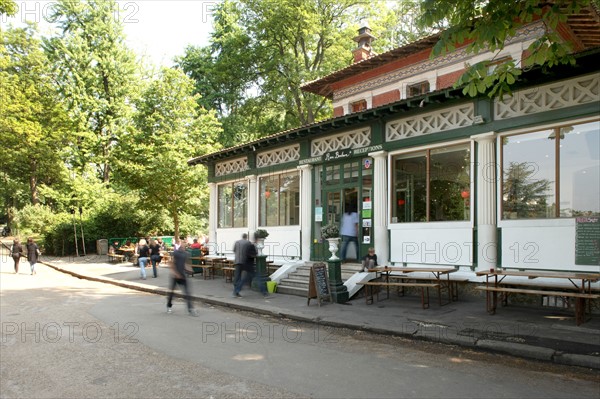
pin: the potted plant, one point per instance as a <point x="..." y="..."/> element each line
<point x="261" y="233"/>
<point x="259" y="236"/>
<point x="331" y="233"/>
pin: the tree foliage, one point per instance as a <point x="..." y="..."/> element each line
<point x="33" y="124"/>
<point x="170" y="129"/>
<point x="486" y="25"/>
<point x="8" y="7"/>
<point x="96" y="73"/>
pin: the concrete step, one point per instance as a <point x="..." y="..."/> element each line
<point x="282" y="289"/>
<point x="297" y="282"/>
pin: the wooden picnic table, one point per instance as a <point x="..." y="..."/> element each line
<point x="580" y="287"/>
<point x="437" y="277"/>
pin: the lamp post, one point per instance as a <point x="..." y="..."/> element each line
<point x="339" y="291"/>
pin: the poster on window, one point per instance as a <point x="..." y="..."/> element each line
<point x="318" y="214"/>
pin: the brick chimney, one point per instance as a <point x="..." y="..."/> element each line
<point x="364" y="39"/>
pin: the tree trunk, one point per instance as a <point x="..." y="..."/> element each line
<point x="35" y="200"/>
<point x="176" y="224"/>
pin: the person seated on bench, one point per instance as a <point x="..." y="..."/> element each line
<point x="370" y="260"/>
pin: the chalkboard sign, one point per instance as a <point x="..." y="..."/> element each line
<point x="318" y="284"/>
<point x="587" y="241"/>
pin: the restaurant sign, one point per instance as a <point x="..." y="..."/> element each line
<point x="340" y="154"/>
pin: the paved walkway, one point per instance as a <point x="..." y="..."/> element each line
<point x="534" y="333"/>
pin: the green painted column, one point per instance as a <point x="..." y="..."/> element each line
<point x="262" y="275"/>
<point x="339" y="292"/>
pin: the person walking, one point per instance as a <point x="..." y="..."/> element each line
<point x="244" y="252"/>
<point x="143" y="253"/>
<point x="178" y="277"/>
<point x="349" y="231"/>
<point x="16" y="251"/>
<point x="155" y="257"/>
<point x="33" y="254"/>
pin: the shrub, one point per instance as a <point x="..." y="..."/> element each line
<point x="330" y="231"/>
<point x="260" y="233"/>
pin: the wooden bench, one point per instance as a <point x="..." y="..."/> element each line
<point x="580" y="298"/>
<point x="451" y="285"/>
<point x="116" y="258"/>
<point x="371" y="286"/>
<point x="228" y="273"/>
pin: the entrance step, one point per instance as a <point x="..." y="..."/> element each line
<point x="296" y="283"/>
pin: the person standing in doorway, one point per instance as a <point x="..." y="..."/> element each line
<point x="143" y="254"/>
<point x="178" y="277"/>
<point x="33" y="253"/>
<point x="349" y="230"/>
<point x="16" y="251"/>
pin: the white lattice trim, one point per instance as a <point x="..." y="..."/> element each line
<point x="432" y="122"/>
<point x="353" y="139"/>
<point x="277" y="156"/>
<point x="581" y="90"/>
<point x="231" y="166"/>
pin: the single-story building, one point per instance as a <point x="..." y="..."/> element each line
<point x="435" y="176"/>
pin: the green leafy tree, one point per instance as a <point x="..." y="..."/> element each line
<point x="524" y="196"/>
<point x="8" y="7"/>
<point x="260" y="54"/>
<point x="170" y="129"/>
<point x="262" y="51"/>
<point x="34" y="127"/>
<point x="96" y="73"/>
<point x="486" y="25"/>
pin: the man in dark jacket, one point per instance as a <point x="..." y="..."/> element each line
<point x="178" y="277"/>
<point x="244" y="252"/>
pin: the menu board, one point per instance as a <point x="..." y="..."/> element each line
<point x="587" y="241"/>
<point x="318" y="284"/>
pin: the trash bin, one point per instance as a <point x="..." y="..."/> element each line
<point x="102" y="247"/>
<point x="271" y="286"/>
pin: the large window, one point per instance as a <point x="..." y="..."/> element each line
<point x="233" y="204"/>
<point x="280" y="200"/>
<point x="552" y="173"/>
<point x="432" y="185"/>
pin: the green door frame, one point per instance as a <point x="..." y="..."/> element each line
<point x="353" y="175"/>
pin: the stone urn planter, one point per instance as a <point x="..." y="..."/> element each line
<point x="334" y="244"/>
<point x="259" y="237"/>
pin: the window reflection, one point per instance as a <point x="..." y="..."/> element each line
<point x="232" y="204"/>
<point x="534" y="164"/>
<point x="579" y="170"/>
<point x="280" y="200"/>
<point x="444" y="196"/>
<point x="528" y="175"/>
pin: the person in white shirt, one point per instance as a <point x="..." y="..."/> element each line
<point x="349" y="231"/>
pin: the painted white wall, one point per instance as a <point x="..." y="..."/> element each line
<point x="282" y="242"/>
<point x="443" y="243"/>
<point x="541" y="244"/>
<point x="227" y="237"/>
